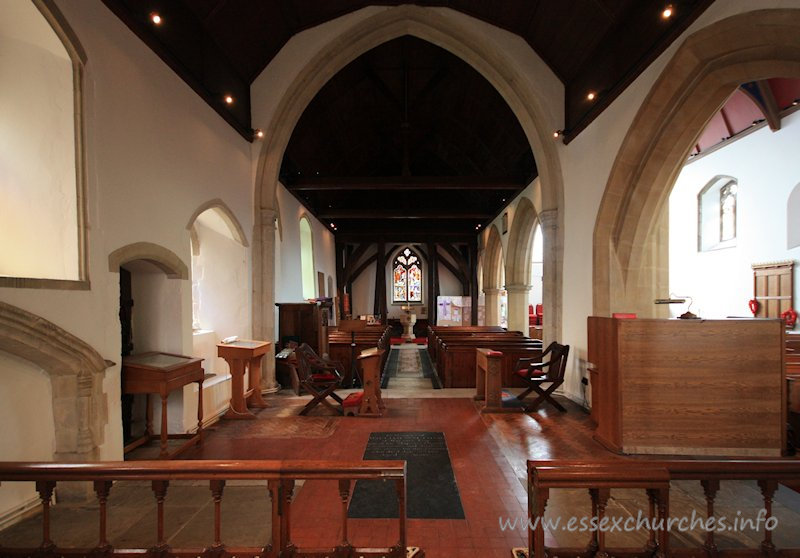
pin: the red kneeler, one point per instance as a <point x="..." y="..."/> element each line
<point x="352" y="402"/>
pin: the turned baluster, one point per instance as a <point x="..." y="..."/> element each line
<point x="400" y="487"/>
<point x="662" y="500"/>
<point x="160" y="491"/>
<point x="216" y="491"/>
<point x="537" y="503"/>
<point x="768" y="491"/>
<point x="287" y="487"/>
<point x="102" y="489"/>
<point x="603" y="494"/>
<point x="710" y="489"/>
<point x="45" y="490"/>
<point x="652" y="544"/>
<point x="275" y="490"/>
<point x="591" y="548"/>
<point x="344" y="495"/>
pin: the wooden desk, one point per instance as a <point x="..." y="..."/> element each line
<point x="162" y="373"/>
<point x="243" y="356"/>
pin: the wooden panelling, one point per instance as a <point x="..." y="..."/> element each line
<point x="690" y="387"/>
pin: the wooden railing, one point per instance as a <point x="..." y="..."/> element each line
<point x="654" y="477"/>
<point x="280" y="477"/>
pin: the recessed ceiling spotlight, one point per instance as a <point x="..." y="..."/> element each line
<point x="332" y="225"/>
<point x="228" y="99"/>
<point x="155" y="18"/>
<point x="557" y="133"/>
<point x="259" y="133"/>
<point x="591" y="95"/>
<point x="668" y="11"/>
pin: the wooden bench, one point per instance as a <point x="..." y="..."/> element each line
<point x="456" y="365"/>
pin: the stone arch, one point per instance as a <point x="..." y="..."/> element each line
<point x="159" y="256"/>
<point x="520" y="244"/>
<point x="518" y="264"/>
<point x="439" y="27"/>
<point x="227" y="216"/>
<point x="492" y="260"/>
<point x="705" y="70"/>
<point x="80" y="408"/>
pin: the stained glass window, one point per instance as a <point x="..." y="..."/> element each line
<point x="407" y="277"/>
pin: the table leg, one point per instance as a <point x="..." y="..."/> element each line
<point x="148" y="429"/>
<point x="255" y="399"/>
<point x="164" y="428"/>
<point x="200" y="413"/>
<point x="238" y="408"/>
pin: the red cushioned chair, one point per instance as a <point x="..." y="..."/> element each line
<point x="539" y="314"/>
<point x="537" y="372"/>
<point x="320" y="377"/>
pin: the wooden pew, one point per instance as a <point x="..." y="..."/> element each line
<point x="457" y="368"/>
<point x="340" y="350"/>
<point x="488" y="338"/>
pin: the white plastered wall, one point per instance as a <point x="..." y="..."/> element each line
<point x="288" y="280"/>
<point x="767" y="169"/>
<point x="155" y="152"/>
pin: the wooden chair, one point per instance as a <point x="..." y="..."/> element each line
<point x="320" y="377"/>
<point x="535" y="373"/>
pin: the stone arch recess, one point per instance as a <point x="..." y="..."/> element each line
<point x="703" y="73"/>
<point x="493" y="263"/>
<point x="227" y="216"/>
<point x="159" y="256"/>
<point x="80" y="408"/>
<point x="518" y="264"/>
<point x="437" y="27"/>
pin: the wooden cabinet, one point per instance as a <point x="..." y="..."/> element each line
<point x="689" y="387"/>
<point x="304" y="322"/>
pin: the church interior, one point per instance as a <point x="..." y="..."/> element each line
<point x="435" y="278"/>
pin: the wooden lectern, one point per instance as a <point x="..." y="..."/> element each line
<point x="244" y="356"/>
<point x="372" y="403"/>
<point x="162" y="373"/>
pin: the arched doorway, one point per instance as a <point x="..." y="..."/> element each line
<point x="630" y="267"/>
<point x="449" y="31"/>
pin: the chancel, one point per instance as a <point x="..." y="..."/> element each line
<point x="454" y="264"/>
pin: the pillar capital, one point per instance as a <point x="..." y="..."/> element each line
<point x="549" y="219"/>
<point x="518" y="288"/>
<point x="267" y="217"/>
<point x="491" y="291"/>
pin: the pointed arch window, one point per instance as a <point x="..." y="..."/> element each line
<point x="716" y="204"/>
<point x="407" y="277"/>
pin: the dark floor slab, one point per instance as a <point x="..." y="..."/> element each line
<point x="432" y="492"/>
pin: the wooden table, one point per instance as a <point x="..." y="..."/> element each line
<point x="243" y="356"/>
<point x="162" y="373"/>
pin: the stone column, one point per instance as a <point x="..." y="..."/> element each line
<point x="492" y="307"/>
<point x="518" y="307"/>
<point x="551" y="282"/>
<point x="264" y="293"/>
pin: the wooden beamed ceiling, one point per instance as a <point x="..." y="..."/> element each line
<point x="590" y="45"/>
<point x="407" y="136"/>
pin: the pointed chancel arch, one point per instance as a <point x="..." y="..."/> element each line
<point x="629" y="271"/>
<point x="166" y="260"/>
<point x="461" y="36"/>
<point x="518" y="264"/>
<point x="493" y="263"/>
